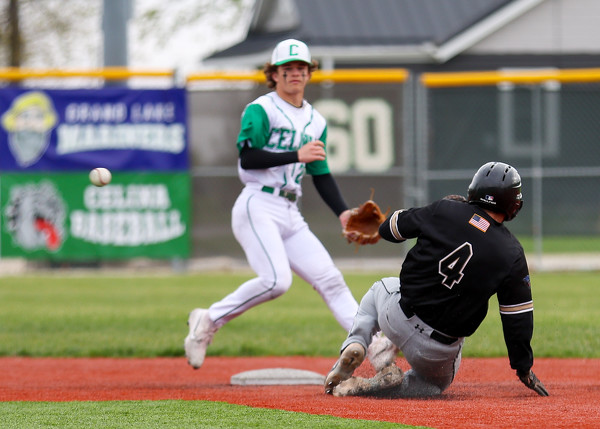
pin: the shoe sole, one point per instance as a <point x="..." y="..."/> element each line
<point x="343" y="369"/>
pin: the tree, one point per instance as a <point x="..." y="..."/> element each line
<point x="49" y="33"/>
<point x="14" y="34"/>
<point x="187" y="30"/>
<point x="68" y="33"/>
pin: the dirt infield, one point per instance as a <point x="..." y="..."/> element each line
<point x="486" y="392"/>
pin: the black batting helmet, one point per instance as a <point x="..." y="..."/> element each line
<point x="497" y="187"/>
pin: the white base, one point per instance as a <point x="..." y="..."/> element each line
<point x="277" y="376"/>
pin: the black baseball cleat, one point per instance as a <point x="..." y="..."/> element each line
<point x="350" y="359"/>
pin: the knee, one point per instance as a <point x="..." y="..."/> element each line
<point x="330" y="282"/>
<point x="390" y="284"/>
<point x="277" y="284"/>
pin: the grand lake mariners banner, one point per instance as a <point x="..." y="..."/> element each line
<point x="50" y="139"/>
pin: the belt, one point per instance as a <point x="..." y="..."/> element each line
<point x="435" y="335"/>
<point x="285" y="194"/>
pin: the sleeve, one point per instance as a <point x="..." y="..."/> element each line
<point x="330" y="193"/>
<point x="252" y="159"/>
<point x="254" y="131"/>
<point x="388" y="230"/>
<point x="404" y="224"/>
<point x="516" y="312"/>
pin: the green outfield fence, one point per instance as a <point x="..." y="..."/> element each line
<point x="410" y="137"/>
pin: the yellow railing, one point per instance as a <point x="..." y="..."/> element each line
<point x="397" y="75"/>
<point x="338" y="76"/>
<point x="108" y="73"/>
<point x="512" y="76"/>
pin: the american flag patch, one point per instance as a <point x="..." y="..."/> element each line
<point x="479" y="222"/>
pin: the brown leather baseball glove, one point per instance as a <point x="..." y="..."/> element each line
<point x="363" y="225"/>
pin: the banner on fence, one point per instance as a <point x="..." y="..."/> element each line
<point x="62" y="216"/>
<point x="68" y="130"/>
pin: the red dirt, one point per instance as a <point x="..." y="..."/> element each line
<point x="486" y="393"/>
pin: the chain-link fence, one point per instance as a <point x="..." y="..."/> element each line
<point x="365" y="152"/>
<point x="544" y="127"/>
<point x="416" y="139"/>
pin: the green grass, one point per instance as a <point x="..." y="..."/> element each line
<point x="139" y="316"/>
<point x="145" y="316"/>
<point x="166" y="414"/>
<point x="566" y="244"/>
<point x="566" y="319"/>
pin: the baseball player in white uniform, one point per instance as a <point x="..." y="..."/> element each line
<point x="282" y="138"/>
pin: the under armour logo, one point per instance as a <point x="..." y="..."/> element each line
<point x="419" y="328"/>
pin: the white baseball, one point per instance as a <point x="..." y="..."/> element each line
<point x="100" y="176"/>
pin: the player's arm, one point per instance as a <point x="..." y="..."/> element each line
<point x="518" y="329"/>
<point x="406" y="223"/>
<point x="516" y="312"/>
<point x="330" y="193"/>
<point x="389" y="231"/>
<point x="325" y="183"/>
<point x="252" y="159"/>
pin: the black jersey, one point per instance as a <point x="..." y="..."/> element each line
<point x="461" y="258"/>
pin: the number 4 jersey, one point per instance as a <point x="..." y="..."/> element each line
<point x="461" y="258"/>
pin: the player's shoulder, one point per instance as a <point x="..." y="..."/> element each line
<point x="459" y="213"/>
<point x="447" y="205"/>
<point x="254" y="110"/>
<point x="262" y="101"/>
<point x="317" y="118"/>
<point x="512" y="242"/>
<point x="267" y="105"/>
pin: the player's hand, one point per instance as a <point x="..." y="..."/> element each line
<point x="344" y="216"/>
<point x="530" y="380"/>
<point x="312" y="151"/>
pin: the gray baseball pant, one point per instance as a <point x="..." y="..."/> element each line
<point x="433" y="364"/>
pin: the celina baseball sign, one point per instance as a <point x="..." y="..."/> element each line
<point x="127" y="215"/>
<point x="65" y="216"/>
